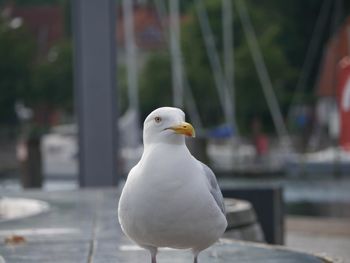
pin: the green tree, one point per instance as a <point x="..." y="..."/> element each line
<point x="155" y="84"/>
<point x="250" y="100"/>
<point x="52" y="80"/>
<point x="283" y="30"/>
<point x="16" y="53"/>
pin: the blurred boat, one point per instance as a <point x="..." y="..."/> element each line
<point x="239" y="157"/>
<point x="60" y="148"/>
<point x="332" y="160"/>
<point x="336" y="159"/>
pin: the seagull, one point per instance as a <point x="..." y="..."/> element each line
<point x="170" y="199"/>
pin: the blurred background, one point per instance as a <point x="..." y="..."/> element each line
<point x="265" y="83"/>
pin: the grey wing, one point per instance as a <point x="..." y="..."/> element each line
<point x="214" y="187"/>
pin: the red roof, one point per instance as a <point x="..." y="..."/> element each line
<point x="147" y="28"/>
<point x="337" y="48"/>
<point x="46" y="23"/>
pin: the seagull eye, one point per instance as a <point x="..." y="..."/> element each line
<point x="157" y="119"/>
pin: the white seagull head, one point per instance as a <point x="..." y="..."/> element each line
<point x="166" y="125"/>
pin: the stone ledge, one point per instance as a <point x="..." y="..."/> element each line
<point x="92" y="234"/>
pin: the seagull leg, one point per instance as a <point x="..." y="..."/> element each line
<point x="195" y="256"/>
<point x="153" y="251"/>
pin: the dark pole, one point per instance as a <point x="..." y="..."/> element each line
<point x="95" y="85"/>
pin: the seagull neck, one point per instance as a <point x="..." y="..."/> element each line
<point x="174" y="140"/>
<point x="156" y="145"/>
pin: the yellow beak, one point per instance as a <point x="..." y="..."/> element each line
<point x="184" y="128"/>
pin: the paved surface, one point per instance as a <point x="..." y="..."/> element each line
<point x="82" y="227"/>
<point x="324" y="236"/>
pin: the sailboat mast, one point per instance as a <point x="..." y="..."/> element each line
<point x="263" y="75"/>
<point x="214" y="61"/>
<point x="188" y="100"/>
<point x="228" y="55"/>
<point x="131" y="56"/>
<point x="177" y="78"/>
